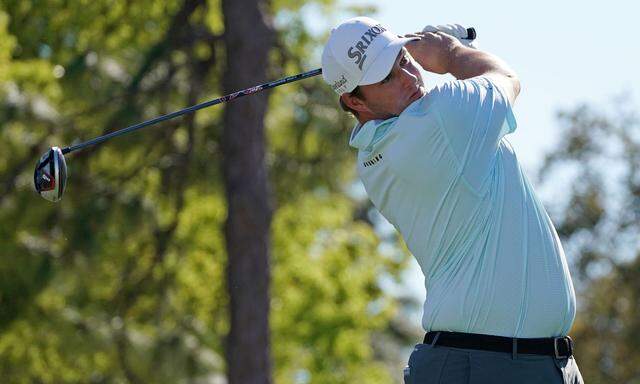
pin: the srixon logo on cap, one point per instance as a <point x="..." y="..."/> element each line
<point x="356" y="51"/>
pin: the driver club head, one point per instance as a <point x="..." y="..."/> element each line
<point x="50" y="176"/>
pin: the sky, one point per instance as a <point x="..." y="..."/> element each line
<point x="565" y="52"/>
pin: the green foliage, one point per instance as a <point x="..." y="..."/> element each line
<point x="123" y="281"/>
<point x="326" y="300"/>
<point x="599" y="159"/>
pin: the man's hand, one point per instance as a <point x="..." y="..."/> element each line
<point x="433" y="50"/>
<point x="466" y="36"/>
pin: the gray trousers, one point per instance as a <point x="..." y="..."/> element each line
<point x="439" y="364"/>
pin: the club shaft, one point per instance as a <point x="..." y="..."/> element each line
<point x="193" y="108"/>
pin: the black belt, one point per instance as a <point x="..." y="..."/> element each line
<point x="558" y="347"/>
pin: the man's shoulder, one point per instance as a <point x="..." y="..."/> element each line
<point x="460" y="88"/>
<point x="459" y="102"/>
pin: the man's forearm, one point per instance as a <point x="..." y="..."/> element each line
<point x="441" y="53"/>
<point x="465" y="63"/>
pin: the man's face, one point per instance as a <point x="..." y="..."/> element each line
<point x="389" y="97"/>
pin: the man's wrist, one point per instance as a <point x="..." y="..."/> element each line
<point x="453" y="51"/>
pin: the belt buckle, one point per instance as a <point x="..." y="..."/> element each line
<point x="569" y="344"/>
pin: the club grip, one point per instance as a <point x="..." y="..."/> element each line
<point x="471" y="33"/>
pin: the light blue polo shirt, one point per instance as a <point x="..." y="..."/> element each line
<point x="444" y="175"/>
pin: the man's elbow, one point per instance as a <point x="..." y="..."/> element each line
<point x="512" y="86"/>
<point x="516" y="85"/>
<point x="507" y="81"/>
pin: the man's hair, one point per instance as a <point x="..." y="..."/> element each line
<point x="356" y="93"/>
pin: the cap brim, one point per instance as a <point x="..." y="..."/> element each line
<point x="383" y="64"/>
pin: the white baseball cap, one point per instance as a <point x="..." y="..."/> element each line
<point x="360" y="51"/>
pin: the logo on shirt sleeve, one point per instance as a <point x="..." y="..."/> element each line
<point x="375" y="160"/>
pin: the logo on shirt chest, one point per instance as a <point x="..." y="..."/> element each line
<point x="375" y="160"/>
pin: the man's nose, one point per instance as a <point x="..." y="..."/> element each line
<point x="408" y="78"/>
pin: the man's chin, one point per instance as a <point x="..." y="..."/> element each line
<point x="413" y="97"/>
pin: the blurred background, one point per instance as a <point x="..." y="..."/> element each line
<point x="236" y="245"/>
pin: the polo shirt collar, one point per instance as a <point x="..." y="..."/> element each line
<point x="363" y="135"/>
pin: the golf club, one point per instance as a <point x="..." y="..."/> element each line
<point x="50" y="175"/>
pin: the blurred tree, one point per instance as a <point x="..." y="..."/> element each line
<point x="124" y="280"/>
<point x="248" y="39"/>
<point x="598" y="160"/>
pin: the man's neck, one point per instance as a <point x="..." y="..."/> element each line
<point x="363" y="117"/>
<point x="362" y="121"/>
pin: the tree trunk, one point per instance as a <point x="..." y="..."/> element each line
<point x="248" y="38"/>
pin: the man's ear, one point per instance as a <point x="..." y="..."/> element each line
<point x="354" y="103"/>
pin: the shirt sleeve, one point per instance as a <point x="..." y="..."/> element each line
<point x="474" y="115"/>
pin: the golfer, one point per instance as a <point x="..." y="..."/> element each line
<point x="437" y="165"/>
